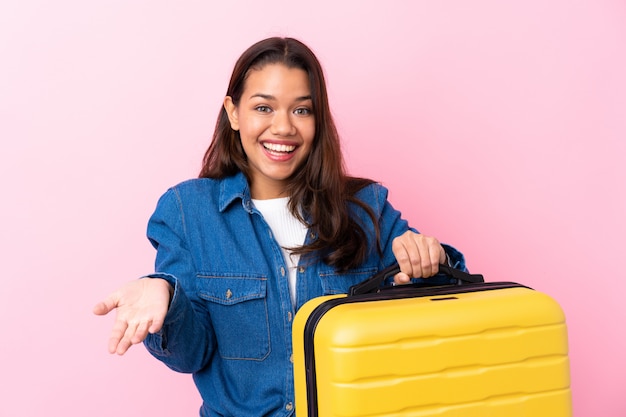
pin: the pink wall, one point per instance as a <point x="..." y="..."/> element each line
<point x="499" y="127"/>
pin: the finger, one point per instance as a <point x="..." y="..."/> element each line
<point x="420" y="259"/>
<point x="431" y="257"/>
<point x="157" y="325"/>
<point x="443" y="256"/>
<point x="431" y="251"/>
<point x="404" y="251"/>
<point x="401" y="278"/>
<point x="126" y="341"/>
<point x="435" y="258"/>
<point x="434" y="250"/>
<point x="117" y="333"/>
<point x="141" y="333"/>
<point x="425" y="258"/>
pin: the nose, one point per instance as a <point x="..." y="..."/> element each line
<point x="282" y="125"/>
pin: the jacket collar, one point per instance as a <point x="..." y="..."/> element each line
<point x="233" y="188"/>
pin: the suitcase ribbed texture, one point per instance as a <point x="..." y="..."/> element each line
<point x="495" y="352"/>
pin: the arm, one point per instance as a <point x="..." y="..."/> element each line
<point x="186" y="341"/>
<point x="157" y="309"/>
<point x="417" y="255"/>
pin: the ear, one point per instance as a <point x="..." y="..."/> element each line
<point x="231" y="110"/>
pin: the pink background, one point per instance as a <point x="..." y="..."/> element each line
<point x="499" y="127"/>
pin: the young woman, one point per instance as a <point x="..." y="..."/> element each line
<point x="272" y="222"/>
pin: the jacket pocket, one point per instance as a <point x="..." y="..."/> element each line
<point x="337" y="283"/>
<point x="237" y="308"/>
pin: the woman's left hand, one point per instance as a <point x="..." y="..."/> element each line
<point x="418" y="256"/>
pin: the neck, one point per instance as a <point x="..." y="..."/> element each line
<point x="267" y="191"/>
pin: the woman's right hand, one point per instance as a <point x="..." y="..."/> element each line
<point x="141" y="308"/>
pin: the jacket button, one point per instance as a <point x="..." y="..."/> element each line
<point x="229" y="294"/>
<point x="282" y="271"/>
<point x="301" y="270"/>
<point x="289" y="406"/>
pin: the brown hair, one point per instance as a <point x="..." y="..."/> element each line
<point x="320" y="190"/>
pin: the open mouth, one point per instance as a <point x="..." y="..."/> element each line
<point x="278" y="148"/>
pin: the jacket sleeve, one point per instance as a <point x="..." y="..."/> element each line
<point x="392" y="225"/>
<point x="185" y="343"/>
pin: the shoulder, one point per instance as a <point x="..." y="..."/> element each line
<point x="367" y="195"/>
<point x="208" y="193"/>
<point x="196" y="186"/>
<point x="373" y="194"/>
<point x="191" y="191"/>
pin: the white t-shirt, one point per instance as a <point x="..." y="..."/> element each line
<point x="288" y="231"/>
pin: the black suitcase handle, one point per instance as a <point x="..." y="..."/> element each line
<point x="372" y="284"/>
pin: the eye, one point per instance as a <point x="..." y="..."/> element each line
<point x="263" y="109"/>
<point x="302" y="111"/>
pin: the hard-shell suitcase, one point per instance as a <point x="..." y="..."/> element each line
<point x="476" y="350"/>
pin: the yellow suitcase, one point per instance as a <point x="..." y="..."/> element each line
<point x="476" y="350"/>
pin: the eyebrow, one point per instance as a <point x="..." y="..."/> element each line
<point x="271" y="97"/>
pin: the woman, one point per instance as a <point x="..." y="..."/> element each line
<point x="272" y="222"/>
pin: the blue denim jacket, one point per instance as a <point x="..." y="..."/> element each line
<point x="229" y="322"/>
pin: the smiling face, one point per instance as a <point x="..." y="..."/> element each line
<point x="275" y="121"/>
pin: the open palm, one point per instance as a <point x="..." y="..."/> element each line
<point x="141" y="308"/>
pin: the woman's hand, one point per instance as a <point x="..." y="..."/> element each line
<point x="418" y="256"/>
<point x="141" y="308"/>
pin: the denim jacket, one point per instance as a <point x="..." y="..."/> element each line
<point x="229" y="321"/>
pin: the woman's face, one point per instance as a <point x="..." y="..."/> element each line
<point x="275" y="121"/>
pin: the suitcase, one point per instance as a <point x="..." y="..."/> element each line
<point x="472" y="350"/>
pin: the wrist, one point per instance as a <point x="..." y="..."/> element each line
<point x="163" y="284"/>
<point x="170" y="291"/>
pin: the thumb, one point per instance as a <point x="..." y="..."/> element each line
<point x="401" y="278"/>
<point x="105" y="306"/>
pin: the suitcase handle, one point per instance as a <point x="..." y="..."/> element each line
<point x="372" y="284"/>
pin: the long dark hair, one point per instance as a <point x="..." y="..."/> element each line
<point x="321" y="192"/>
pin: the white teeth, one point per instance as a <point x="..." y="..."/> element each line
<point x="275" y="147"/>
